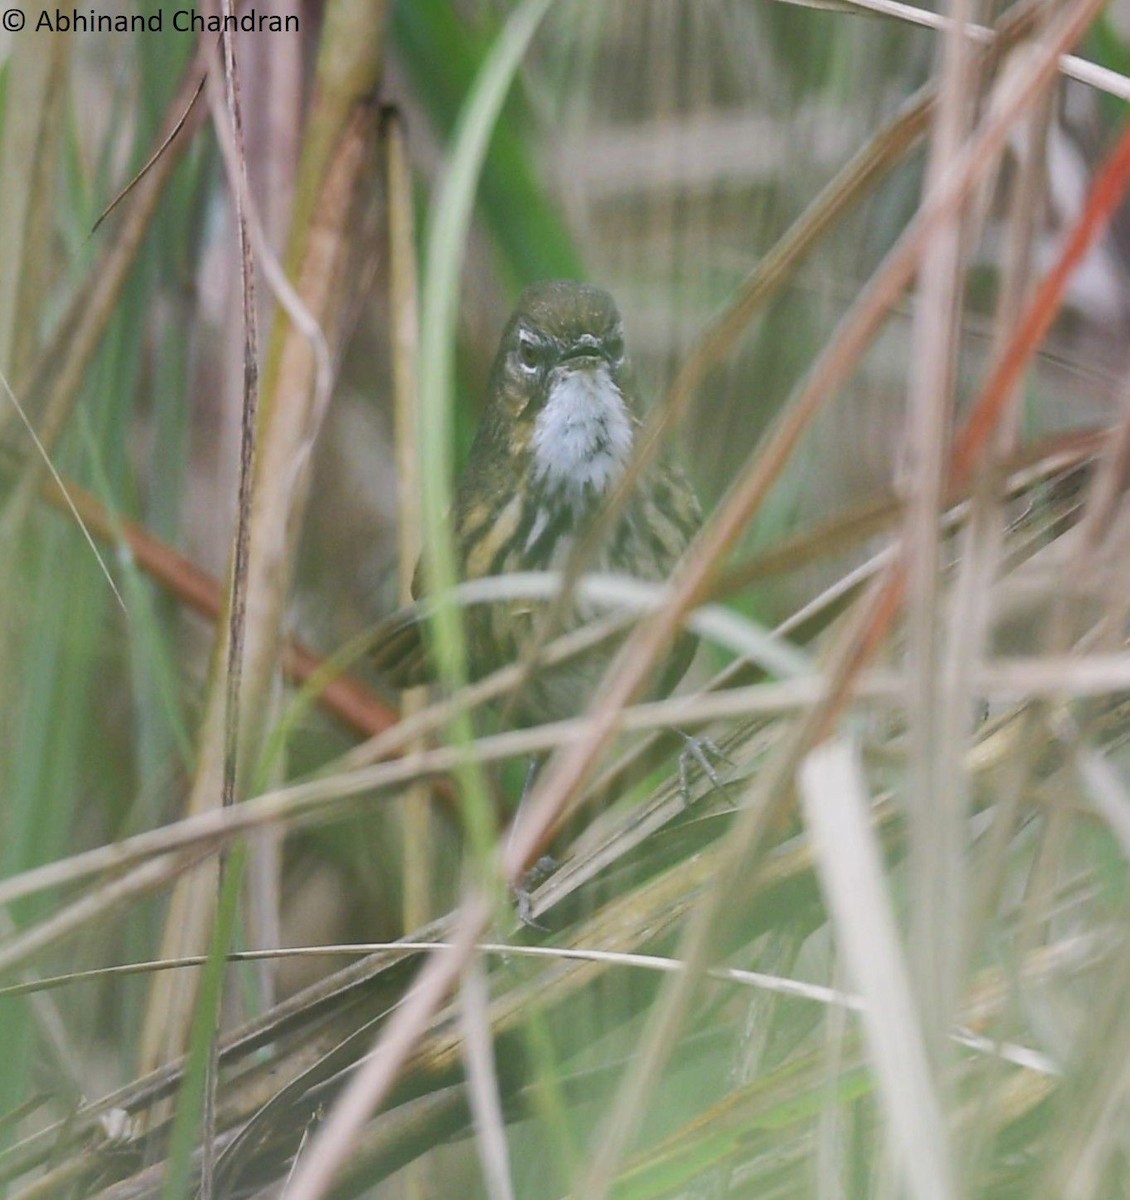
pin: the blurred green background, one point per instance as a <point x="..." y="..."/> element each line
<point x="657" y="147"/>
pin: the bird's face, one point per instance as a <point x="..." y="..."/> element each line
<point x="561" y="384"/>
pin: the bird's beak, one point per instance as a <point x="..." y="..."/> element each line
<point x="586" y="351"/>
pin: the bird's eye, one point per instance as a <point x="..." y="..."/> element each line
<point x="529" y="352"/>
<point x="614" y="344"/>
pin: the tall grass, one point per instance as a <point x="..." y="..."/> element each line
<point x="887" y="955"/>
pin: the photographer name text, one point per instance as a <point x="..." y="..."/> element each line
<point x="180" y="20"/>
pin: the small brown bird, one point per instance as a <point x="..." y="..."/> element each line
<point x="555" y="439"/>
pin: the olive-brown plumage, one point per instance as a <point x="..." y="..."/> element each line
<point x="555" y="439"/>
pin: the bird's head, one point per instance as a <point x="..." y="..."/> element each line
<point x="561" y="388"/>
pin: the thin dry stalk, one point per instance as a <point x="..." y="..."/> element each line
<point x="837" y="810"/>
<point x="237" y="599"/>
<point x="937" y="816"/>
<point x="482" y="1081"/>
<point x="416" y="820"/>
<point x="971" y="614"/>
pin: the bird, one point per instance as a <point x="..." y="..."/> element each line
<point x="559" y="424"/>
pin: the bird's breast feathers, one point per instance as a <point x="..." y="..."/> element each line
<point x="582" y="436"/>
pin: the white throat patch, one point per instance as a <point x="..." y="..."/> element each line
<point x="583" y="435"/>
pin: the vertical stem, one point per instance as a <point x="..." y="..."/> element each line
<point x="416" y="822"/>
<point x="936" y="819"/>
